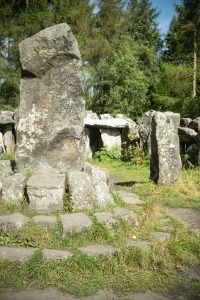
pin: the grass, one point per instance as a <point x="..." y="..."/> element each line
<point x="129" y="269"/>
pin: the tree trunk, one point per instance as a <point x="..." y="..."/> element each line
<point x="194" y="90"/>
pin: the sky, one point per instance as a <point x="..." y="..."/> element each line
<point x="167" y="11"/>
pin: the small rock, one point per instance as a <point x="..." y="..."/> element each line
<point x="160" y="236"/>
<point x="75" y="223"/>
<point x="126" y="215"/>
<point x="47" y="221"/>
<point x="144" y="245"/>
<point x="16" y="254"/>
<point x="129" y="198"/>
<point x="50" y="254"/>
<point x="106" y="218"/>
<point x="98" y="250"/>
<point x="13" y="222"/>
<point x="13" y="188"/>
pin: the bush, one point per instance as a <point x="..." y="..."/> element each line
<point x="113" y="153"/>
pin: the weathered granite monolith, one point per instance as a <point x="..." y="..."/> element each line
<point x="165" y="154"/>
<point x="51" y="111"/>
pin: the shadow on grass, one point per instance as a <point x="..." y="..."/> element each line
<point x="128" y="183"/>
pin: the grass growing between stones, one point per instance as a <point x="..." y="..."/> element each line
<point x="129" y="269"/>
<point x="135" y="178"/>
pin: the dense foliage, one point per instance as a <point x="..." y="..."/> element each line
<point x="127" y="69"/>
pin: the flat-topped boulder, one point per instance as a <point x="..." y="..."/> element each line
<point x="46" y="190"/>
<point x="51" y="118"/>
<point x="13" y="222"/>
<point x="75" y="223"/>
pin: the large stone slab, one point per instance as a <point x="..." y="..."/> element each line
<point x="51" y="110"/>
<point x="13" y="188"/>
<point x="144" y="245"/>
<point x="126" y="215"/>
<point x="13" y="222"/>
<point x="16" y="254"/>
<point x="165" y="154"/>
<point x="75" y="223"/>
<point x="81" y="189"/>
<point x="46" y="190"/>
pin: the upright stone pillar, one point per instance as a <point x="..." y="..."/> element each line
<point x="51" y="111"/>
<point x="165" y="154"/>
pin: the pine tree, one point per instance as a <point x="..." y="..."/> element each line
<point x="142" y="23"/>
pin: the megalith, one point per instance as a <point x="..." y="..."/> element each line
<point x="51" y="111"/>
<point x="165" y="164"/>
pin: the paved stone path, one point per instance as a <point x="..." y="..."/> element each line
<point x="188" y="215"/>
<point x="53" y="294"/>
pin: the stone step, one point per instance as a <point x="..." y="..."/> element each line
<point x="98" y="250"/>
<point x="13" y="222"/>
<point x="129" y="198"/>
<point x="24" y="254"/>
<point x="144" y="245"/>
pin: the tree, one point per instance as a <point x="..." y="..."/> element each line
<point x="142" y="23"/>
<point x="183" y="38"/>
<point x="123" y="85"/>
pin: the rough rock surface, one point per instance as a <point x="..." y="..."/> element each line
<point x="45" y="190"/>
<point x="51" y="111"/>
<point x="106" y="218"/>
<point x="47" y="221"/>
<point x="100" y="181"/>
<point x="160" y="236"/>
<point x="145" y="130"/>
<point x="195" y="124"/>
<point x="75" y="223"/>
<point x="129" y="198"/>
<point x="185" y="122"/>
<point x="98" y="250"/>
<point x="13" y="222"/>
<point x="5" y="169"/>
<point x="6" y="119"/>
<point x="187" y="135"/>
<point x="126" y="215"/>
<point x="111" y="138"/>
<point x="82" y="194"/>
<point x="132" y="126"/>
<point x="106" y="123"/>
<point x="13" y="188"/>
<point x="165" y="154"/>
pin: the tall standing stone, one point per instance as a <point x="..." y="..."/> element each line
<point x="165" y="154"/>
<point x="51" y="111"/>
